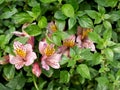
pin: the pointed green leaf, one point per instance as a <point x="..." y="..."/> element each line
<point x="68" y="10"/>
<point x="83" y="70"/>
<point x="71" y="22"/>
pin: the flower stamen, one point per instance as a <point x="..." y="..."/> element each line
<point x="49" y="50"/>
<point x="68" y="43"/>
<point x="53" y="28"/>
<point x="20" y="52"/>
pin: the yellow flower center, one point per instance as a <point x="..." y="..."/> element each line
<point x="20" y="52"/>
<point x="49" y="50"/>
<point x="85" y="33"/>
<point x="53" y="28"/>
<point x="68" y="43"/>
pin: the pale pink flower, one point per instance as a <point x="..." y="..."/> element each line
<point x="67" y="43"/>
<point x="24" y="55"/>
<point x="51" y="27"/>
<point x="88" y="44"/>
<point x="70" y="41"/>
<point x="49" y="56"/>
<point x="36" y="70"/>
<point x="82" y="39"/>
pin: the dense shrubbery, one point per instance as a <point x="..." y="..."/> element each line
<point x="59" y="44"/>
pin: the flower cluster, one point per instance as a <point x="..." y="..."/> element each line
<point x="50" y="53"/>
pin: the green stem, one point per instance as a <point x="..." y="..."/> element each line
<point x="35" y="84"/>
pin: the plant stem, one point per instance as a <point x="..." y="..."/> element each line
<point x="35" y="84"/>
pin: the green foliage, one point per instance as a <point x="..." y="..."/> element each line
<point x="80" y="67"/>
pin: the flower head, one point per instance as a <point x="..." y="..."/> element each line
<point x="49" y="56"/>
<point x="52" y="27"/>
<point x="36" y="70"/>
<point x="69" y="42"/>
<point x="24" y="55"/>
<point x="83" y="40"/>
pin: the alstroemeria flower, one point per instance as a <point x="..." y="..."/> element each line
<point x="51" y="27"/>
<point x="24" y="55"/>
<point x="36" y="70"/>
<point x="82" y="39"/>
<point x="69" y="42"/>
<point x="49" y="56"/>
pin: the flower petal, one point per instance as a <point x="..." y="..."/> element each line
<point x="19" y="64"/>
<point x="89" y="44"/>
<point x="44" y="64"/>
<point x="31" y="56"/>
<point x="28" y="48"/>
<point x="53" y="60"/>
<point x="18" y="33"/>
<point x="42" y="46"/>
<point x="18" y="61"/>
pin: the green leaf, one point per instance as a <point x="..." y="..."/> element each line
<point x="71" y="63"/>
<point x="68" y="10"/>
<point x="86" y="54"/>
<point x="107" y="25"/>
<point x="102" y="83"/>
<point x="116" y="48"/>
<point x="96" y="59"/>
<point x="1" y="1"/>
<point x="8" y="14"/>
<point x="71" y="22"/>
<point x="115" y="15"/>
<point x="83" y="70"/>
<point x="59" y="15"/>
<point x="107" y="3"/>
<point x="21" y="39"/>
<point x="17" y="83"/>
<point x="56" y="39"/>
<point x="94" y="37"/>
<point x="48" y="73"/>
<point x="72" y="52"/>
<point x="85" y="22"/>
<point x="92" y="13"/>
<point x="64" y="60"/>
<point x="101" y="10"/>
<point x="36" y="11"/>
<point x="48" y="1"/>
<point x="2" y="87"/>
<point x="60" y="24"/>
<point x="22" y="18"/>
<point x="64" y="76"/>
<point x="9" y="72"/>
<point x="98" y="28"/>
<point x="42" y="23"/>
<point x="50" y="86"/>
<point x="33" y="30"/>
<point x="108" y="53"/>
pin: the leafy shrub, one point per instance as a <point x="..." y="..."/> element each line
<point x="83" y="35"/>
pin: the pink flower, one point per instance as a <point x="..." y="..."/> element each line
<point x="69" y="42"/>
<point x="51" y="27"/>
<point x="82" y="39"/>
<point x="36" y="70"/>
<point x="49" y="56"/>
<point x="24" y="55"/>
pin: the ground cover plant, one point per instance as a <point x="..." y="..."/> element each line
<point x="59" y="45"/>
